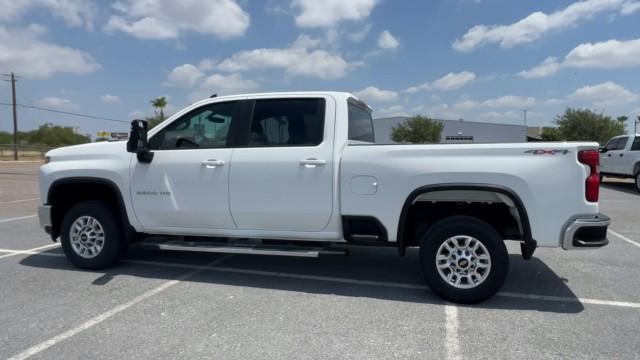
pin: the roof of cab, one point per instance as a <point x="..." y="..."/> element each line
<point x="339" y="95"/>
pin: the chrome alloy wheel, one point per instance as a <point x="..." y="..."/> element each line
<point x="86" y="237"/>
<point x="463" y="262"/>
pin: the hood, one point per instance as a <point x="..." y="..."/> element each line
<point x="95" y="149"/>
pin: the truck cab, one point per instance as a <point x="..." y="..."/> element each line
<point x="620" y="157"/>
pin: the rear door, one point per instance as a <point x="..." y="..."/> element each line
<point x="283" y="179"/>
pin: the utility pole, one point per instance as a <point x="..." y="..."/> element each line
<point x="526" y="129"/>
<point x="12" y="78"/>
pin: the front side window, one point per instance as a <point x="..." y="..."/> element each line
<point x="360" y="124"/>
<point x="616" y="144"/>
<point x="636" y="144"/>
<point x="287" y="122"/>
<point x="205" y="127"/>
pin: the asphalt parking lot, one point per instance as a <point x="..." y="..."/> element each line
<point x="370" y="304"/>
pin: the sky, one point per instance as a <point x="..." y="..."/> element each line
<point x="477" y="60"/>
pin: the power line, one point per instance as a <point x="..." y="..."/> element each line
<point x="65" y="112"/>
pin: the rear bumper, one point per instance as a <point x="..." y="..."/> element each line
<point x="44" y="216"/>
<point x="586" y="232"/>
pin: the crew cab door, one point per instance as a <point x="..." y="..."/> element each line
<point x="606" y="157"/>
<point x="187" y="183"/>
<point x="621" y="164"/>
<point x="616" y="155"/>
<point x="283" y="179"/>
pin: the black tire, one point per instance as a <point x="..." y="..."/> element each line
<point x="637" y="181"/>
<point x="482" y="232"/>
<point x="114" y="239"/>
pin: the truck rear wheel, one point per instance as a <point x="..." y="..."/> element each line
<point x="463" y="259"/>
<point x="91" y="236"/>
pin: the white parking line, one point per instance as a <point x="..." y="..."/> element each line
<point x="106" y="315"/>
<point x="18" y="201"/>
<point x="342" y="280"/>
<point x="624" y="238"/>
<point x="17" y="218"/>
<point x="34" y="251"/>
<point x="451" y="324"/>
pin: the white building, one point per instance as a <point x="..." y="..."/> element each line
<point x="457" y="131"/>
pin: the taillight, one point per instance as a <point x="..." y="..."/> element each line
<point x="591" y="158"/>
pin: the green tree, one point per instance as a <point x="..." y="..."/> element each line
<point x="550" y="134"/>
<point x="159" y="104"/>
<point x="417" y="130"/>
<point x="587" y="125"/>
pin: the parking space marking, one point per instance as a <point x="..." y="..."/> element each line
<point x="342" y="280"/>
<point x="106" y="315"/>
<point x="17" y="218"/>
<point x="451" y="324"/>
<point x="18" y="201"/>
<point x="34" y="251"/>
<point x="624" y="238"/>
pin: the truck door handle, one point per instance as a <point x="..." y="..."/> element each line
<point x="621" y="155"/>
<point x="212" y="163"/>
<point x="312" y="162"/>
<point x="609" y="155"/>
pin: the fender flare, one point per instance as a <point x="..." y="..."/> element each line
<point x="528" y="244"/>
<point x="128" y="228"/>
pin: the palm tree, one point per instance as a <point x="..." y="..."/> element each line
<point x="159" y="104"/>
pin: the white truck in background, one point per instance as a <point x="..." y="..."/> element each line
<point x="620" y="157"/>
<point x="299" y="174"/>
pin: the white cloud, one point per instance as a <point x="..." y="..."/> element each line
<point x="372" y="93"/>
<point x="394" y="110"/>
<point x="360" y="34"/>
<point x="74" y="13"/>
<point x="296" y="61"/>
<point x="223" y="85"/>
<point x="25" y="52"/>
<point x="328" y="13"/>
<point x="56" y="103"/>
<point x="110" y="99"/>
<point x="168" y="19"/>
<point x="548" y="67"/>
<point x="604" y="94"/>
<point x="611" y="54"/>
<point x="630" y="7"/>
<point x="466" y="105"/>
<point x="534" y="26"/>
<point x="451" y="81"/>
<point x="387" y="41"/>
<point x="185" y="76"/>
<point x="509" y="101"/>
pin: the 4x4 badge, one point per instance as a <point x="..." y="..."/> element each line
<point x="547" y="151"/>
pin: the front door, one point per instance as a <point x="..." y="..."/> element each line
<point x="283" y="179"/>
<point x="186" y="185"/>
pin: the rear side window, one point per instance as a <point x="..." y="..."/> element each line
<point x="636" y="144"/>
<point x="360" y="124"/>
<point x="287" y="122"/>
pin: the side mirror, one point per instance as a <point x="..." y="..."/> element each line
<point x="602" y="150"/>
<point x="137" y="142"/>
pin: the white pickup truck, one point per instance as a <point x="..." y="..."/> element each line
<point x="621" y="158"/>
<point x="299" y="174"/>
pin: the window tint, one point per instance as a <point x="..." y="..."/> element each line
<point x="205" y="127"/>
<point x="360" y="124"/>
<point x="616" y="144"/>
<point x="287" y="122"/>
<point x="636" y="144"/>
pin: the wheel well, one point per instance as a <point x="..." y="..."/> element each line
<point x="64" y="194"/>
<point x="497" y="206"/>
<point x="636" y="168"/>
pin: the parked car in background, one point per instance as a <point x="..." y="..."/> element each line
<point x="621" y="158"/>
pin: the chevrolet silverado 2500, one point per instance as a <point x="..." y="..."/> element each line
<point x="299" y="174"/>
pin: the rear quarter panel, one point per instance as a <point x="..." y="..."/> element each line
<point x="551" y="186"/>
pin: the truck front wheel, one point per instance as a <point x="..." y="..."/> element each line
<point x="637" y="179"/>
<point x="463" y="259"/>
<point x="91" y="235"/>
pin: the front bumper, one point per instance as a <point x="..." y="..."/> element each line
<point x="44" y="215"/>
<point x="586" y="232"/>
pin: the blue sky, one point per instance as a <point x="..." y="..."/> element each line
<point x="480" y="60"/>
